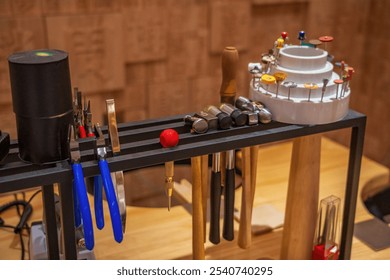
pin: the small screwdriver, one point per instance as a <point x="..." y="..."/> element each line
<point x="169" y="138"/>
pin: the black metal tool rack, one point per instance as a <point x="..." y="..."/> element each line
<point x="140" y="148"/>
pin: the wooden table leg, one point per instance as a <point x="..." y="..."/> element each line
<point x="302" y="198"/>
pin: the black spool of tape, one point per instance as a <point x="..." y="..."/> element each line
<point x="42" y="102"/>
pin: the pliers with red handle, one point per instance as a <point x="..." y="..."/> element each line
<point x="78" y="114"/>
<point x="80" y="191"/>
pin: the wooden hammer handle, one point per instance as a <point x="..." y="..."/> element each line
<point x="197" y="210"/>
<point x="229" y="70"/>
<point x="245" y="228"/>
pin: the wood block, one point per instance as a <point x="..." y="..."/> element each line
<point x="167" y="99"/>
<point x="94" y="44"/>
<point x="17" y="34"/>
<point x="230" y="23"/>
<point x="145" y="31"/>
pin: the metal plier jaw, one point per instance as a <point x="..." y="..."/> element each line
<point x="75" y="156"/>
<point x="101" y="149"/>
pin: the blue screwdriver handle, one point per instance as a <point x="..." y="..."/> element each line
<point x="76" y="206"/>
<point x="112" y="201"/>
<point x="86" y="216"/>
<point x="98" y="201"/>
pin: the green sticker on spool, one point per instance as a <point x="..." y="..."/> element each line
<point x="44" y="54"/>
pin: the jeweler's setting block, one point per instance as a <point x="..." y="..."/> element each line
<point x="302" y="65"/>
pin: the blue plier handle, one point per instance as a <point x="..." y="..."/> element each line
<point x="85" y="210"/>
<point x="98" y="201"/>
<point x="80" y="191"/>
<point x="108" y="185"/>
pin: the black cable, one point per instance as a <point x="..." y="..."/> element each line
<point x="32" y="197"/>
<point x="24" y="216"/>
<point x="22" y="245"/>
<point x="18" y="210"/>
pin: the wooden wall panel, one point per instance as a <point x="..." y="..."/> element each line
<point x="203" y="92"/>
<point x="188" y="42"/>
<point x="58" y="7"/>
<point x="230" y="23"/>
<point x="8" y="121"/>
<point x="94" y="43"/>
<point x="23" y="7"/>
<point x="166" y="54"/>
<point x="61" y="7"/>
<point x="145" y="31"/>
<point x="17" y="34"/>
<point x="373" y="95"/>
<point x="167" y="99"/>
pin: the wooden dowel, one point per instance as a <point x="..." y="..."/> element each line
<point x="302" y="199"/>
<point x="205" y="189"/>
<point x="245" y="227"/>
<point x="197" y="210"/>
<point x="254" y="159"/>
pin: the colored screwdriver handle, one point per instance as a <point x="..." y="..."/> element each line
<point x="76" y="206"/>
<point x="98" y="201"/>
<point x="228" y="222"/>
<point x="215" y="207"/>
<point x="90" y="134"/>
<point x="112" y="201"/>
<point x="82" y="132"/>
<point x="85" y="210"/>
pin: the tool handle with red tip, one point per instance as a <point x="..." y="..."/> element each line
<point x="90" y="134"/>
<point x="82" y="132"/>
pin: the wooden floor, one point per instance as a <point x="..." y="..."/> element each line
<point x="155" y="233"/>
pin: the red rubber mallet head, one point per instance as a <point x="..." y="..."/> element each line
<point x="169" y="138"/>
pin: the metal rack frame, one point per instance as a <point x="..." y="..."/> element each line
<point x="140" y="148"/>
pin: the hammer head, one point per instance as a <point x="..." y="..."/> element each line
<point x="212" y="121"/>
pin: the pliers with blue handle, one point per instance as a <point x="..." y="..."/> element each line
<point x="80" y="191"/>
<point x="101" y="153"/>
